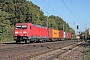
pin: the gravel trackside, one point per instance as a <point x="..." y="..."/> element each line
<point x="74" y="54"/>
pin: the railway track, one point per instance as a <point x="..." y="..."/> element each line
<point x="50" y="55"/>
<point x="28" y="51"/>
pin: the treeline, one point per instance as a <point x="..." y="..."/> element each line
<point x="13" y="11"/>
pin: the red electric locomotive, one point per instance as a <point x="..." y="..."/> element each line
<point x="29" y="32"/>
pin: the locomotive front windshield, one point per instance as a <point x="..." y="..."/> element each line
<point x="21" y="27"/>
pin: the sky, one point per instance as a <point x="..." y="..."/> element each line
<point x="73" y="12"/>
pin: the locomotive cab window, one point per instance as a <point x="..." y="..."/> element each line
<point x="18" y="27"/>
<point x="24" y="27"/>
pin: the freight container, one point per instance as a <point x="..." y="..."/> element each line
<point x="64" y="35"/>
<point x="61" y="33"/>
<point x="68" y="35"/>
<point x="55" y="33"/>
<point x="49" y="33"/>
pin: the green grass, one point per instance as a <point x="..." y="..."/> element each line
<point x="6" y="40"/>
<point x="88" y="54"/>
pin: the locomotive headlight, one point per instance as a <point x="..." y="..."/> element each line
<point x="16" y="32"/>
<point x="24" y="32"/>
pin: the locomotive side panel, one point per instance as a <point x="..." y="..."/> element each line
<point x="39" y="32"/>
<point x="35" y="32"/>
<point x="44" y="32"/>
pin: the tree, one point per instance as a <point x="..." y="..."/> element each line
<point x="4" y="25"/>
<point x="14" y="11"/>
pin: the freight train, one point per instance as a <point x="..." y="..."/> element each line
<point x="29" y="32"/>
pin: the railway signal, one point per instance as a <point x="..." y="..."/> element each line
<point x="77" y="27"/>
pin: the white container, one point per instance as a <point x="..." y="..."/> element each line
<point x="64" y="35"/>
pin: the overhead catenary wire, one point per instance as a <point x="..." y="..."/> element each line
<point x="50" y="6"/>
<point x="57" y="12"/>
<point x="75" y="9"/>
<point x="46" y="12"/>
<point x="69" y="9"/>
<point x="71" y="12"/>
<point x="46" y="3"/>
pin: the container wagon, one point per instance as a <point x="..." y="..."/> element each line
<point x="53" y="35"/>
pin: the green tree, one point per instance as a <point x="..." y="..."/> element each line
<point x="13" y="11"/>
<point x="5" y="32"/>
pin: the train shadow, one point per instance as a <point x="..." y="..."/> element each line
<point x="16" y="43"/>
<point x="21" y="43"/>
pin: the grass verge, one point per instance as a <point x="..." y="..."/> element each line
<point x="87" y="54"/>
